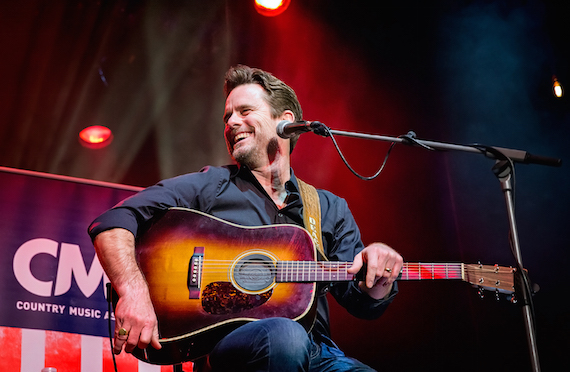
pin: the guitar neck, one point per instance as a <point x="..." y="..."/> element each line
<point x="330" y="271"/>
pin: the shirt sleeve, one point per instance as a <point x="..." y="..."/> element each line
<point x="193" y="190"/>
<point x="343" y="243"/>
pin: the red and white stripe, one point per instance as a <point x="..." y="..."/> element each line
<point x="30" y="350"/>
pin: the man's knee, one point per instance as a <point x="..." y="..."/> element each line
<point x="286" y="336"/>
<point x="269" y="342"/>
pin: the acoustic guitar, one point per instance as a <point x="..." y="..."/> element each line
<point x="208" y="276"/>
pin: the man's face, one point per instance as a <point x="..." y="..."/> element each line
<point x="250" y="128"/>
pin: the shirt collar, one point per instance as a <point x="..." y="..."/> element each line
<point x="291" y="186"/>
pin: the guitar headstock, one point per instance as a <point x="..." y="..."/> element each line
<point x="492" y="278"/>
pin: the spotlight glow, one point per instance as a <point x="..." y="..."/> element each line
<point x="271" y="8"/>
<point x="95" y="137"/>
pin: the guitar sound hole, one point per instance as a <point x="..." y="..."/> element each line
<point x="254" y="272"/>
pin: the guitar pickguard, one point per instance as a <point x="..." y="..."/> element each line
<point x="221" y="298"/>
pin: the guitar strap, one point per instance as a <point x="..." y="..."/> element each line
<point x="312" y="215"/>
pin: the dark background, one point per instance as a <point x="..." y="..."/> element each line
<point x="457" y="71"/>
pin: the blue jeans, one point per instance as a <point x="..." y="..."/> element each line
<point x="279" y="344"/>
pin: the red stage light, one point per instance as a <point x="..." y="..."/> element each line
<point x="95" y="136"/>
<point x="271" y="8"/>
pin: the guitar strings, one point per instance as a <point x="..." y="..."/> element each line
<point x="313" y="273"/>
<point x="409" y="267"/>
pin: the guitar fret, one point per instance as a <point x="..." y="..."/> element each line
<point x="314" y="271"/>
<point x="292" y="271"/>
<point x="295" y="271"/>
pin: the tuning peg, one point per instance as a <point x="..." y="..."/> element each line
<point x="497" y="297"/>
<point x="481" y="292"/>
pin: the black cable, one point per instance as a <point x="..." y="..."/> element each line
<point x="365" y="178"/>
<point x="109" y="300"/>
<point x="409" y="139"/>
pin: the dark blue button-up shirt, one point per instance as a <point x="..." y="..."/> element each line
<point x="232" y="193"/>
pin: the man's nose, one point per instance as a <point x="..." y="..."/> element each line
<point x="233" y="121"/>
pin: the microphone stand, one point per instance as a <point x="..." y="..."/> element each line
<point x="503" y="170"/>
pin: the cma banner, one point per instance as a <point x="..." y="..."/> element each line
<point x="50" y="277"/>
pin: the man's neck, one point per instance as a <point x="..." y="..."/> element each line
<point x="272" y="178"/>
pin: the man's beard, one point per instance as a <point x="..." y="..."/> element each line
<point x="246" y="157"/>
<point x="252" y="157"/>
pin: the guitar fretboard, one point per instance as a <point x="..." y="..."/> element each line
<point x="328" y="271"/>
<point x="313" y="271"/>
<point x="423" y="271"/>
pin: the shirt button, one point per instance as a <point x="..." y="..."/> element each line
<point x="280" y="214"/>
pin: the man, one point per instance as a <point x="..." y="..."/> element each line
<point x="261" y="189"/>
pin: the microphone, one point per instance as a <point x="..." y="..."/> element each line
<point x="287" y="129"/>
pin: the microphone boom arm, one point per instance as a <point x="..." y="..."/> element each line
<point x="518" y="156"/>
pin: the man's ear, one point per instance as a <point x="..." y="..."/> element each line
<point x="288" y="115"/>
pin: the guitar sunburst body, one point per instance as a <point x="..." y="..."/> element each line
<point x="233" y="268"/>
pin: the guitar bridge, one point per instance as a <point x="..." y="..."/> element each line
<point x="195" y="273"/>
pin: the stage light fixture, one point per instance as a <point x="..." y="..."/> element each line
<point x="271" y="8"/>
<point x="557" y="87"/>
<point x="95" y="137"/>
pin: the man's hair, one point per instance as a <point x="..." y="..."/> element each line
<point x="280" y="96"/>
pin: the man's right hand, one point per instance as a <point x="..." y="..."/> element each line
<point x="135" y="319"/>
<point x="135" y="323"/>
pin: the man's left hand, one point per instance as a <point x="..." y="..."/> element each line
<point x="383" y="266"/>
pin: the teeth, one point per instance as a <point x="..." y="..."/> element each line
<point x="241" y="136"/>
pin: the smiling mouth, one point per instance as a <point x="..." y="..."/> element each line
<point x="241" y="136"/>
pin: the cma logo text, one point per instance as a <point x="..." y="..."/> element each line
<point x="70" y="265"/>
